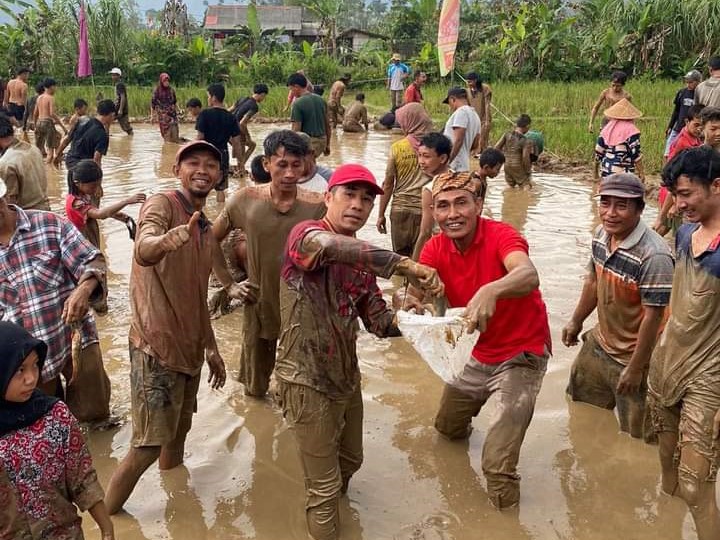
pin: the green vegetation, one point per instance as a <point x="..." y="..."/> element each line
<point x="502" y="39"/>
<point x="559" y="110"/>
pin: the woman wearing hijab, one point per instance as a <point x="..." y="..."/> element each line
<point x="618" y="146"/>
<point x="42" y="449"/>
<point x="164" y="109"/>
<point x="404" y="180"/>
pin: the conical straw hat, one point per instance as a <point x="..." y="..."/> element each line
<point x="623" y="110"/>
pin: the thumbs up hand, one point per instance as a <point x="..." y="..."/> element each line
<point x="178" y="236"/>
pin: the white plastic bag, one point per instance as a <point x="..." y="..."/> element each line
<point x="442" y="342"/>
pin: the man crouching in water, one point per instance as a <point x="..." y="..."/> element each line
<point x="485" y="266"/>
<point x="327" y="282"/>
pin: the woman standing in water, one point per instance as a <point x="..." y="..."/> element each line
<point x="404" y="180"/>
<point x="618" y="146"/>
<point x="610" y="96"/>
<point x="164" y="109"/>
<point x="42" y="449"/>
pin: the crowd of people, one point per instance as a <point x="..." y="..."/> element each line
<point x="304" y="280"/>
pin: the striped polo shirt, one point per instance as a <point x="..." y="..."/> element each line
<point x="638" y="273"/>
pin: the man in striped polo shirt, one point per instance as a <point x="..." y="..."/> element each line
<point x="629" y="281"/>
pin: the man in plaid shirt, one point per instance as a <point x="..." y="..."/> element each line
<point x="49" y="274"/>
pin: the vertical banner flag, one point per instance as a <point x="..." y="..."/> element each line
<point x="448" y="29"/>
<point x="84" y="68"/>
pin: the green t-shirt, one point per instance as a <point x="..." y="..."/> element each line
<point x="310" y="111"/>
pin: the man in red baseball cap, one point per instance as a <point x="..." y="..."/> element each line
<point x="328" y="282"/>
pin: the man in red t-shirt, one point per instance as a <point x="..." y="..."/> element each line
<point x="484" y="265"/>
<point x="413" y="94"/>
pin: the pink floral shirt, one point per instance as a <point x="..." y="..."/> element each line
<point x="51" y="472"/>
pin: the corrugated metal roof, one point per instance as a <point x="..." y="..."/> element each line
<point x="270" y="17"/>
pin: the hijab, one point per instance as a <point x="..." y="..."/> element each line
<point x="15" y="345"/>
<point x="162" y="92"/>
<point x="618" y="131"/>
<point x="415" y="122"/>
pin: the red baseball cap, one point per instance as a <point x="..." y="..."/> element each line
<point x="353" y="173"/>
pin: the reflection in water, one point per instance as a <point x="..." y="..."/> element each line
<point x="602" y="466"/>
<point x="242" y="477"/>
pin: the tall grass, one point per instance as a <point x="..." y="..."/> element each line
<point x="560" y="110"/>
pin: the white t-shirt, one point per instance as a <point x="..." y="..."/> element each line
<point x="317" y="183"/>
<point x="463" y="117"/>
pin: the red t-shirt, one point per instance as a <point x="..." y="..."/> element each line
<point x="683" y="141"/>
<point x="76" y="209"/>
<point x="519" y="324"/>
<point x="413" y="94"/>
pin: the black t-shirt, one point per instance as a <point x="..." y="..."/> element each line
<point x="87" y="138"/>
<point x="245" y="106"/>
<point x="218" y="126"/>
<point x="120" y="90"/>
<point x="684" y="99"/>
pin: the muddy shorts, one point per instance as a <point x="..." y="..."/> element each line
<point x="46" y="135"/>
<point x="352" y="127"/>
<point x="16" y="111"/>
<point x="245" y="137"/>
<point x="257" y="356"/>
<point x="329" y="435"/>
<point x="516" y="382"/>
<point x="593" y="379"/>
<point x="162" y="401"/>
<point x="404" y="231"/>
<point x="692" y="419"/>
<point x="516" y="177"/>
<point x="222" y="184"/>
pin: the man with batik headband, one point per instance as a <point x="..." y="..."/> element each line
<point x="327" y="283"/>
<point x="485" y="266"/>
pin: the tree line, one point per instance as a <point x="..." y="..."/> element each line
<point x="503" y="39"/>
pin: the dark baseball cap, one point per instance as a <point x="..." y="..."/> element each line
<point x="456" y="92"/>
<point x="624" y="185"/>
<point x="194" y="146"/>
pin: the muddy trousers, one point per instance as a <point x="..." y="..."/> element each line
<point x="328" y="434"/>
<point x="516" y="382"/>
<point x="594" y="378"/>
<point x="689" y="455"/>
<point x="257" y="357"/>
<point x="336" y="113"/>
<point x="88" y="397"/>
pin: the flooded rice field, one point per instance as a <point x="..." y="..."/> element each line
<point x="581" y="478"/>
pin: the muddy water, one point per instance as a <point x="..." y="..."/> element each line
<point x="582" y="479"/>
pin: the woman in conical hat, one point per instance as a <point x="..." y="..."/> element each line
<point x="618" y="146"/>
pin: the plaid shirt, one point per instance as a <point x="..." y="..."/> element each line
<point x="45" y="260"/>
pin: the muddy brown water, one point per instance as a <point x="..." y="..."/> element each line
<point x="581" y="478"/>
